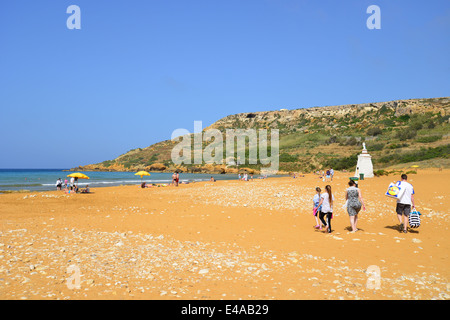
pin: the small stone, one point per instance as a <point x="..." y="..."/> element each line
<point x="25" y="280"/>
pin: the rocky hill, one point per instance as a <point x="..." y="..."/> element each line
<point x="395" y="132"/>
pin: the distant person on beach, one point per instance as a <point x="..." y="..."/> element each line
<point x="328" y="175"/>
<point x="212" y="179"/>
<point x="404" y="204"/>
<point x="174" y="177"/>
<point x="317" y="209"/>
<point x="331" y="173"/>
<point x="59" y="184"/>
<point x="239" y="176"/>
<point x="326" y="201"/>
<point x="177" y="179"/>
<point x="354" y="203"/>
<point x="86" y="190"/>
<point x="65" y="183"/>
<point x="72" y="183"/>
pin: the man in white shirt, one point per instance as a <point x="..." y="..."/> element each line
<point x="404" y="203"/>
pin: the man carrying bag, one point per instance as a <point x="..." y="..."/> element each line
<point x="404" y="204"/>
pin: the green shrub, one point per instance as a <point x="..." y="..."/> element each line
<point x="418" y="155"/>
<point x="397" y="145"/>
<point x="428" y="139"/>
<point x="342" y="163"/>
<point x="379" y="173"/>
<point x="406" y="134"/>
<point x="374" y="131"/>
<point x="285" y="157"/>
<point x="404" y="118"/>
<point x="388" y="122"/>
<point x="351" y="141"/>
<point x="375" y="146"/>
<point x="107" y="163"/>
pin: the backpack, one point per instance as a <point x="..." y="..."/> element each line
<point x="414" y="219"/>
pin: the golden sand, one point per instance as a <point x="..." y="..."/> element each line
<point x="223" y="240"/>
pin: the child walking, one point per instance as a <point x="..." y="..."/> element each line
<point x="316" y="208"/>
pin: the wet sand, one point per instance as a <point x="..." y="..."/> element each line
<point x="223" y="240"/>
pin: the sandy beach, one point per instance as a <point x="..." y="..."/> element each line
<point x="224" y="240"/>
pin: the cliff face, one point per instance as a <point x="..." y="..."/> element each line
<point x="291" y="118"/>
<point x="311" y="138"/>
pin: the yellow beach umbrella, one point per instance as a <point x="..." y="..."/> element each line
<point x="415" y="166"/>
<point x="78" y="175"/>
<point x="142" y="173"/>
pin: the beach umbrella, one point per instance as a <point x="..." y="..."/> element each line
<point x="142" y="173"/>
<point x="78" y="175"/>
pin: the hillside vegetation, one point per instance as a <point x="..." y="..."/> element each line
<point x="310" y="139"/>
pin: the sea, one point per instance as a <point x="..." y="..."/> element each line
<point x="45" y="179"/>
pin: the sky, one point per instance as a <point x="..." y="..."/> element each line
<point x="138" y="70"/>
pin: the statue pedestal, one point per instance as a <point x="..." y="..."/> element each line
<point x="364" y="165"/>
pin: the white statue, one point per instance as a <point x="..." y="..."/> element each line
<point x="364" y="146"/>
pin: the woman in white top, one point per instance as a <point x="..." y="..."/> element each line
<point x="326" y="201"/>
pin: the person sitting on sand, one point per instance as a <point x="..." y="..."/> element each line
<point x="212" y="179"/>
<point x="86" y="190"/>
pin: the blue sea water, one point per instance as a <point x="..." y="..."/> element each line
<point x="45" y="179"/>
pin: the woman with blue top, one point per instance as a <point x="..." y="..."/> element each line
<point x="317" y="208"/>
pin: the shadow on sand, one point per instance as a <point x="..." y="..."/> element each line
<point x="397" y="228"/>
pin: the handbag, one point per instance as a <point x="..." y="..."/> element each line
<point x="395" y="190"/>
<point x="414" y="219"/>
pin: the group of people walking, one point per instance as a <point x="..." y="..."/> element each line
<point x="354" y="202"/>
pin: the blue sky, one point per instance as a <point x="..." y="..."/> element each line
<point x="138" y="70"/>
